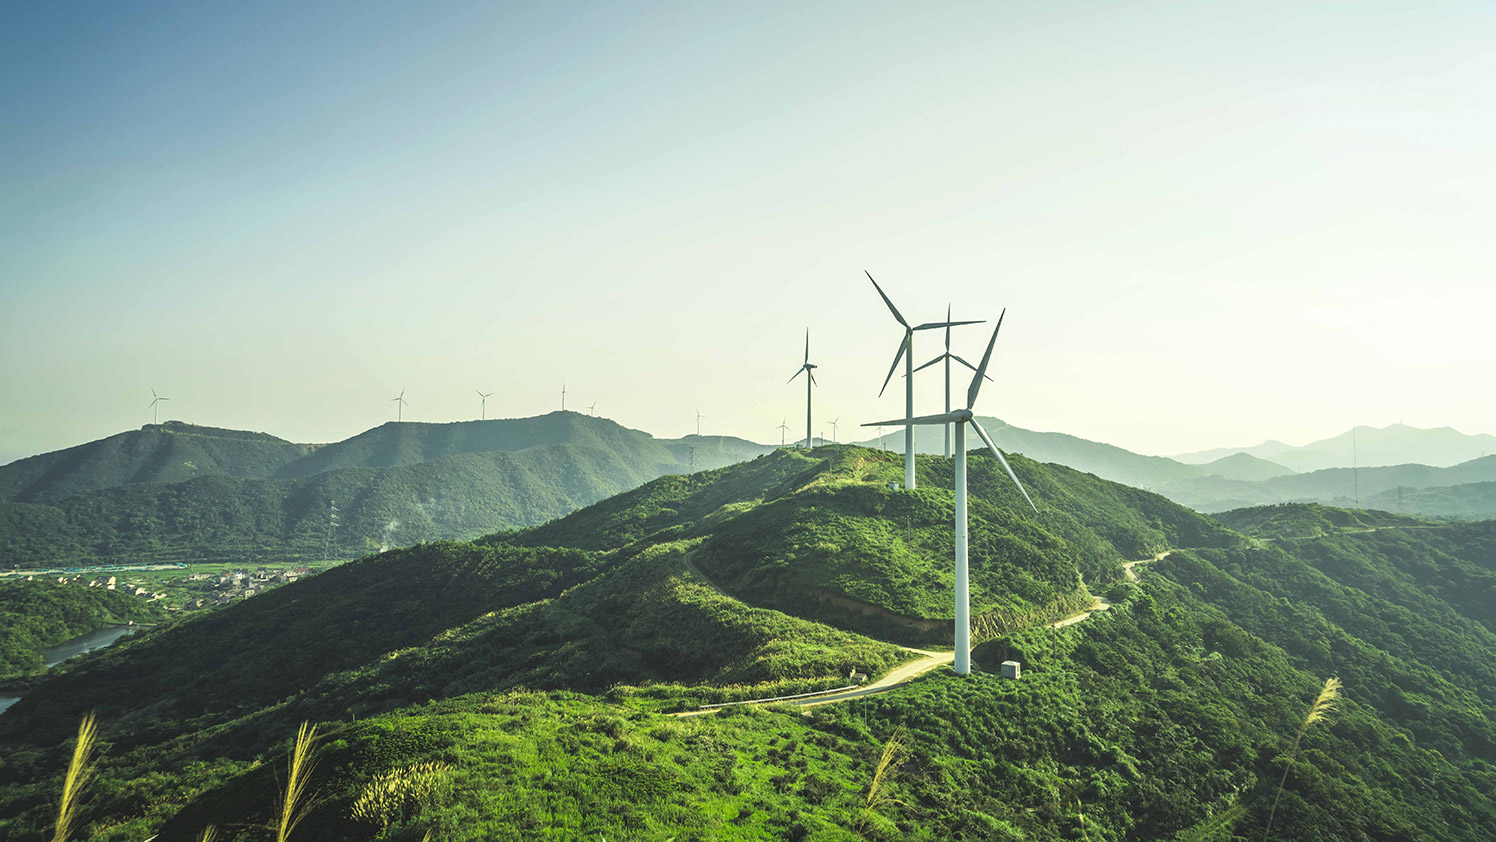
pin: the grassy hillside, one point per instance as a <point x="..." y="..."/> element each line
<point x="169" y="452"/>
<point x="533" y="668"/>
<point x="39" y="614"/>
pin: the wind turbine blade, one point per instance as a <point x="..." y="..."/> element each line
<point x="797" y="374"/>
<point x="947" y="325"/>
<point x="976" y="380"/>
<point x="1009" y="468"/>
<point x="942" y="418"/>
<point x="153" y="391"/>
<point x="813" y="377"/>
<point x="947" y="328"/>
<point x="931" y="362"/>
<point x="807" y="345"/>
<point x="904" y="345"/>
<point x="896" y="313"/>
<point x="958" y="359"/>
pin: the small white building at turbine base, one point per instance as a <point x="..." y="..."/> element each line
<point x="1012" y="669"/>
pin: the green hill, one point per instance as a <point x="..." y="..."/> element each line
<point x="37" y="614"/>
<point x="535" y="668"/>
<point x="1242" y="466"/>
<point x="1468" y="501"/>
<point x="1310" y="520"/>
<point x="169" y="452"/>
<point x="436" y="486"/>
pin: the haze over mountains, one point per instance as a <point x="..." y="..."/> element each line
<point x="1397" y="444"/>
<point x="179" y="492"/>
<point x="1235" y="478"/>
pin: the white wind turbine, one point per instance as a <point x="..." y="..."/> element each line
<point x="833" y="429"/>
<point x="960" y="418"/>
<point x="808" y="369"/>
<point x="699" y="416"/>
<point x="563" y="395"/>
<point x="400" y="404"/>
<point x="484" y="415"/>
<point x="783" y="428"/>
<point x="947" y="357"/>
<point x="156" y="410"/>
<point x="592" y="410"/>
<point x="906" y="352"/>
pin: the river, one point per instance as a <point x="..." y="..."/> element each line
<point x="54" y="655"/>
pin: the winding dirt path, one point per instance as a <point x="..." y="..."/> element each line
<point x="904" y="673"/>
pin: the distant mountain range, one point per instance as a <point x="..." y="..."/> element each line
<point x="1367" y="447"/>
<point x="176" y="492"/>
<point x="180" y="492"/>
<point x="1233" y="479"/>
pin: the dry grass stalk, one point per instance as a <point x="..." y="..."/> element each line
<point x="209" y="834"/>
<point x="1324" y="705"/>
<point x="80" y="770"/>
<point x="294" y="801"/>
<point x="877" y="796"/>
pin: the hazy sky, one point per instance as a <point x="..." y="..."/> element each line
<point x="1210" y="223"/>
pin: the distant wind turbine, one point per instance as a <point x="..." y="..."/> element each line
<point x="400" y="404"/>
<point x="783" y="428"/>
<point x="947" y="357"/>
<point x="961" y="418"/>
<point x="484" y="413"/>
<point x="563" y="395"/>
<point x="155" y="410"/>
<point x="808" y="369"/>
<point x="592" y="410"/>
<point x="906" y="353"/>
<point x="699" y="416"/>
<point x="833" y="429"/>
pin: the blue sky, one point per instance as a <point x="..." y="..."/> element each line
<point x="1211" y="223"/>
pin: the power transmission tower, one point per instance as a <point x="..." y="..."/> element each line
<point x="332" y="525"/>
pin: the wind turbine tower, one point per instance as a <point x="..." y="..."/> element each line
<point x="783" y="428"/>
<point x="483" y="416"/>
<point x="833" y="429"/>
<point x="400" y="403"/>
<point x="592" y="410"/>
<point x="906" y="353"/>
<point x="699" y="416"/>
<point x="563" y="395"/>
<point x="946" y="358"/>
<point x="155" y="409"/>
<point x="808" y="369"/>
<point x="961" y="418"/>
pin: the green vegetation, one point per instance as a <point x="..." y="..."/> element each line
<point x="396" y="485"/>
<point x="519" y="687"/>
<point x="40" y="614"/>
<point x="170" y="452"/>
<point x="1311" y="520"/>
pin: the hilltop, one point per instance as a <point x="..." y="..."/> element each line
<point x="169" y="452"/>
<point x="536" y="668"/>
